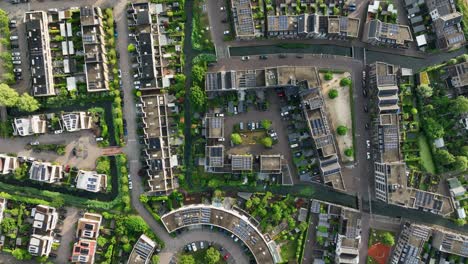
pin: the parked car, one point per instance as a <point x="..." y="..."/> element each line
<point x="58" y="131"/>
<point x="282" y="56"/>
<point x="245" y="58"/>
<point x="368" y="143"/>
<point x="17" y="62"/>
<point x="34" y="143"/>
<point x="226" y="32"/>
<point x="366" y="109"/>
<point x="99" y="139"/>
<point x="17" y="70"/>
<point x="202" y="245"/>
<point x="13" y="37"/>
<point x="367" y="125"/>
<point x="15" y="54"/>
<point x="299" y="56"/>
<point x="368" y="155"/>
<point x="263" y="57"/>
<point x="222" y="8"/>
<point x="130" y="185"/>
<point x="364" y="92"/>
<point x="16" y="58"/>
<point x="194" y="247"/>
<point x="219" y="114"/>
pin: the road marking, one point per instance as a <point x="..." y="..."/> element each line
<point x="134" y="161"/>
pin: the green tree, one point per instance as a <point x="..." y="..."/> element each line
<point x="198" y="74"/>
<point x="328" y="76"/>
<point x="349" y="152"/>
<point x="236" y="139"/>
<point x="57" y="202"/>
<point x="266" y="124"/>
<point x="459" y="105"/>
<point x="197" y="98"/>
<point x="267" y="142"/>
<point x="101" y="241"/>
<point x="8" y="225"/>
<point x="333" y="93"/>
<point x="464" y="150"/>
<point x="433" y="128"/>
<point x="21" y="172"/>
<point x="127" y="248"/>
<point x="461" y="163"/>
<point x="460" y="221"/>
<point x="155" y="259"/>
<point x="131" y="47"/>
<point x="444" y="157"/>
<point x="8" y="96"/>
<point x="144" y="198"/>
<point x="212" y="256"/>
<point x="388" y="239"/>
<point x="342" y="130"/>
<point x="21" y="254"/>
<point x="345" y="82"/>
<point x="424" y="90"/>
<point x="187" y="259"/>
<point x="414" y="111"/>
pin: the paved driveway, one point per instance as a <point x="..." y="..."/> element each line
<point x="68" y="235"/>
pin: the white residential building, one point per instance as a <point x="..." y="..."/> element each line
<point x="40" y="245"/>
<point x="91" y="181"/>
<point x="45" y="172"/>
<point x="29" y="126"/>
<point x="8" y="164"/>
<point x="76" y="121"/>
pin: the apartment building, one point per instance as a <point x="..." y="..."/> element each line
<point x="40" y="58"/>
<point x="457" y="77"/>
<point x="450" y="242"/>
<point x="95" y="67"/>
<point x="87" y="232"/>
<point x="45" y="172"/>
<point x="410" y="244"/>
<point x="142" y="251"/>
<point x="44" y="222"/>
<point x="312" y="26"/>
<point x="315" y="112"/>
<point x="243" y="19"/>
<point x="381" y="33"/>
<point x="159" y="157"/>
<point x="446" y="23"/>
<point x="391" y="183"/>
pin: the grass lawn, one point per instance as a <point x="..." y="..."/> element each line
<point x="425" y="154"/>
<point x="288" y="251"/>
<point x="375" y="236"/>
<point x="371" y="260"/>
<point x="199" y="256"/>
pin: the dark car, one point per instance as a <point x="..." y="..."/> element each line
<point x="364" y="92"/>
<point x="367" y="125"/>
<point x="366" y="109"/>
<point x="282" y="56"/>
<point x="263" y="57"/>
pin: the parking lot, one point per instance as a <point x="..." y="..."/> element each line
<point x="278" y="124"/>
<point x="19" y="53"/>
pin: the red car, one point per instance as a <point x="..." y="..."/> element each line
<point x="227" y="256"/>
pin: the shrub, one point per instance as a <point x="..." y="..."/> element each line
<point x="266" y="124"/>
<point x="349" y="152"/>
<point x="236" y="139"/>
<point x="342" y="130"/>
<point x="267" y="142"/>
<point x="333" y="93"/>
<point x="328" y="76"/>
<point x="345" y="82"/>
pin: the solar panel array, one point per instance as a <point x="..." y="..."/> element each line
<point x="241" y="162"/>
<point x="216" y="122"/>
<point x="391" y="136"/>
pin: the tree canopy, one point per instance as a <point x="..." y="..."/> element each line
<point x="333" y="93"/>
<point x="328" y="76"/>
<point x="27" y="103"/>
<point x="197" y="98"/>
<point x="212" y="256"/>
<point x="424" y="90"/>
<point x="461" y="163"/>
<point x="198" y="74"/>
<point x="187" y="259"/>
<point x="8" y="96"/>
<point x="444" y="157"/>
<point x="267" y="142"/>
<point x="459" y="105"/>
<point x="236" y="139"/>
<point x="349" y="152"/>
<point x="388" y="239"/>
<point x="345" y="82"/>
<point x="342" y="130"/>
<point x="131" y="47"/>
<point x="266" y="124"/>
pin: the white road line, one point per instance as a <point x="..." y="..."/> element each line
<point x="134" y="161"/>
